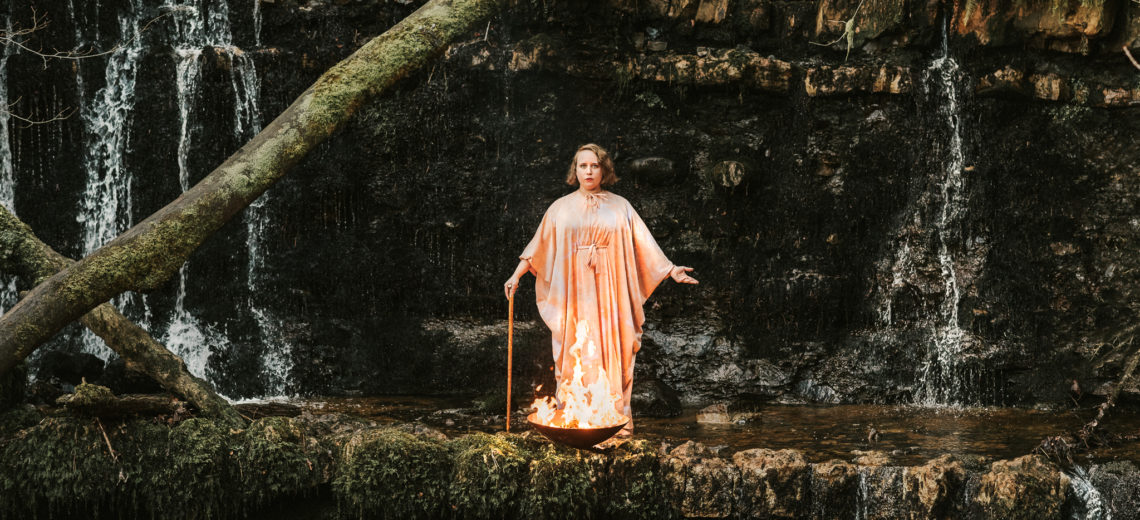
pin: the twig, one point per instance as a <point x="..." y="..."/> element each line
<point x="40" y="22"/>
<point x="848" y="32"/>
<point x="1126" y="374"/>
<point x="114" y="456"/>
<point x="1128" y="53"/>
<point x="28" y="121"/>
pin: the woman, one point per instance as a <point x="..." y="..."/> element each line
<point x="594" y="260"/>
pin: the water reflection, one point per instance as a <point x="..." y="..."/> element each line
<point x="908" y="435"/>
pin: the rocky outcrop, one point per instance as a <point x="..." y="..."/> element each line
<point x="701" y="483"/>
<point x="773" y="484"/>
<point x="1025" y="488"/>
<point x="352" y="468"/>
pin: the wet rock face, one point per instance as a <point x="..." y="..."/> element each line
<point x="806" y="187"/>
<point x="1005" y="491"/>
<point x="774" y="484"/>
<point x="1119" y="486"/>
<point x="701" y="483"/>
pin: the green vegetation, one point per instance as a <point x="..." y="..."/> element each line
<point x="391" y="474"/>
<point x="67" y="466"/>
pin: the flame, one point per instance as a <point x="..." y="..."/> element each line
<point x="592" y="405"/>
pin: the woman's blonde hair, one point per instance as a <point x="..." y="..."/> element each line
<point x="609" y="177"/>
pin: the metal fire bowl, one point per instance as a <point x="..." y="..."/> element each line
<point x="581" y="438"/>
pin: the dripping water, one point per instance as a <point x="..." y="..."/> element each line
<point x="106" y="207"/>
<point x="940" y="382"/>
<point x="203" y="26"/>
<point x="1089" y="502"/>
<point x="257" y="23"/>
<point x="8" y="295"/>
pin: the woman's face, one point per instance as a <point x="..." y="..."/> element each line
<point x="589" y="170"/>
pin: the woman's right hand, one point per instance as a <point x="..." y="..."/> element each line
<point x="511" y="286"/>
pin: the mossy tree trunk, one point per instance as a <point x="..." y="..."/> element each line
<point x="23" y="254"/>
<point x="145" y="256"/>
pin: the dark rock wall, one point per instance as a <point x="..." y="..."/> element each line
<point x="804" y="188"/>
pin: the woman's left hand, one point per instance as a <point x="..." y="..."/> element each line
<point x="680" y="274"/>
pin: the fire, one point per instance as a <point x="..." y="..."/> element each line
<point x="592" y="405"/>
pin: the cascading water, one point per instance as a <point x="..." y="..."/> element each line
<point x="203" y="26"/>
<point x="199" y="26"/>
<point x="195" y="26"/>
<point x="276" y="359"/>
<point x="185" y="336"/>
<point x="106" y="207"/>
<point x="257" y="23"/>
<point x="7" y="179"/>
<point x="938" y="381"/>
<point x="1089" y="503"/>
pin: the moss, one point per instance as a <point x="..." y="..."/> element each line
<point x="88" y="397"/>
<point x="81" y="467"/>
<point x="58" y="466"/>
<point x="560" y="485"/>
<point x="390" y="474"/>
<point x="489" y="475"/>
<point x="69" y="466"/>
<point x="16" y="419"/>
<point x="274" y="458"/>
<point x="633" y="484"/>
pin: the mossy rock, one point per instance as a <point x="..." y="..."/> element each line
<point x="386" y="473"/>
<point x="59" y="466"/>
<point x="274" y="458"/>
<point x="173" y="472"/>
<point x="633" y="483"/>
<point x="489" y="476"/>
<point x="17" y="419"/>
<point x="561" y="485"/>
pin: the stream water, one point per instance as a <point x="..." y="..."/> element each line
<point x="909" y="435"/>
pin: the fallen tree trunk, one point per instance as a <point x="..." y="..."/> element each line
<point x="145" y="256"/>
<point x="26" y="256"/>
<point x="98" y="401"/>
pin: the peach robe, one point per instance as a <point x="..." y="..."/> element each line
<point x="594" y="259"/>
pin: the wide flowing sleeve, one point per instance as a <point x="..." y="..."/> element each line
<point x="548" y="256"/>
<point x="541" y="250"/>
<point x="652" y="264"/>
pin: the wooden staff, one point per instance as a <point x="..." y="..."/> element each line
<point x="510" y="356"/>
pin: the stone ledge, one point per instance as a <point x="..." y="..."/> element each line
<point x="374" y="471"/>
<point x="712" y="67"/>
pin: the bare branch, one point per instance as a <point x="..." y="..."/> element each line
<point x="1128" y="53"/>
<point x="19" y="38"/>
<point x="28" y="121"/>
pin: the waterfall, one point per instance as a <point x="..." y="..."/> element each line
<point x="946" y="376"/>
<point x="277" y="355"/>
<point x="106" y="207"/>
<point x="199" y="26"/>
<point x="202" y="26"/>
<point x="257" y="23"/>
<point x="8" y="296"/>
<point x="1089" y="503"/>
